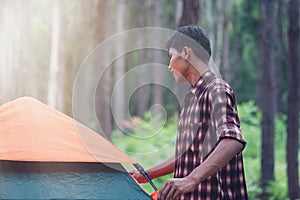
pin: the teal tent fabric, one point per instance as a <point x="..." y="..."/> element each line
<point x="65" y="180"/>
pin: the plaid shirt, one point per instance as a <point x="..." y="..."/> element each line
<point x="208" y="116"/>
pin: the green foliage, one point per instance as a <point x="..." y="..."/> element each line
<point x="278" y="188"/>
<point x="148" y="141"/>
<point x="250" y="123"/>
<point x="151" y="142"/>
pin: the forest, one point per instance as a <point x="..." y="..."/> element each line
<point x="105" y="64"/>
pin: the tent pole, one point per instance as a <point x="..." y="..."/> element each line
<point x="144" y="173"/>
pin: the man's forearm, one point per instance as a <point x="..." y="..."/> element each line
<point x="162" y="169"/>
<point x="224" y="152"/>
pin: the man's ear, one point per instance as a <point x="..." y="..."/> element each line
<point x="186" y="51"/>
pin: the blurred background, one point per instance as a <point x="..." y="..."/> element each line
<point x="255" y="46"/>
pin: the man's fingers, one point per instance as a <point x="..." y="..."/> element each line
<point x="176" y="194"/>
<point x="171" y="192"/>
<point x="131" y="172"/>
<point x="165" y="190"/>
<point x="137" y="176"/>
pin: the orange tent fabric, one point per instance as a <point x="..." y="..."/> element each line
<point x="33" y="131"/>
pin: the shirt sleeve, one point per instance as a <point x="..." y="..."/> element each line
<point x="224" y="114"/>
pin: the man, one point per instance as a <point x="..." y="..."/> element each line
<point x="208" y="163"/>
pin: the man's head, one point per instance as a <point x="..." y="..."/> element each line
<point x="193" y="37"/>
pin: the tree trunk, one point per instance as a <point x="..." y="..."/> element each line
<point x="28" y="47"/>
<point x="142" y="92"/>
<point x="226" y="66"/>
<point x="20" y="86"/>
<point x="235" y="50"/>
<point x="265" y="90"/>
<point x="7" y="36"/>
<point x="219" y="35"/>
<point x="210" y="23"/>
<point x="293" y="101"/>
<point x="103" y="93"/>
<point x="83" y="88"/>
<point x="158" y="75"/>
<point x="61" y="96"/>
<point x="54" y="56"/>
<point x="280" y="59"/>
<point x="119" y="105"/>
<point x="56" y="83"/>
<point x="189" y="12"/>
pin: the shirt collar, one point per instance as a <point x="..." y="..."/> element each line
<point x="202" y="83"/>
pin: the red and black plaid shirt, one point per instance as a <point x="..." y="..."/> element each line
<point x="208" y="116"/>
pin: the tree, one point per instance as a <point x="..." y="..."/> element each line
<point x="265" y="89"/>
<point x="293" y="101"/>
<point x="218" y="33"/>
<point x="142" y="92"/>
<point x="210" y="21"/>
<point x="7" y="50"/>
<point x="103" y="92"/>
<point x="280" y="58"/>
<point x="158" y="75"/>
<point x="119" y="103"/>
<point x="83" y="111"/>
<point x="188" y="12"/>
<point x="54" y="55"/>
<point x="225" y="64"/>
<point x="235" y="49"/>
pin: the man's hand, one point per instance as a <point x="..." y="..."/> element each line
<point x="159" y="170"/>
<point x="175" y="186"/>
<point x="138" y="176"/>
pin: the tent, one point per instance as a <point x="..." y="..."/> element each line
<point x="44" y="154"/>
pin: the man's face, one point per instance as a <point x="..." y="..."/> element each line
<point x="178" y="65"/>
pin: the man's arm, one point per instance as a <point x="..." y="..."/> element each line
<point x="223" y="153"/>
<point x="159" y="170"/>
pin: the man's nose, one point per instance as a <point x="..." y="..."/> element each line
<point x="170" y="68"/>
